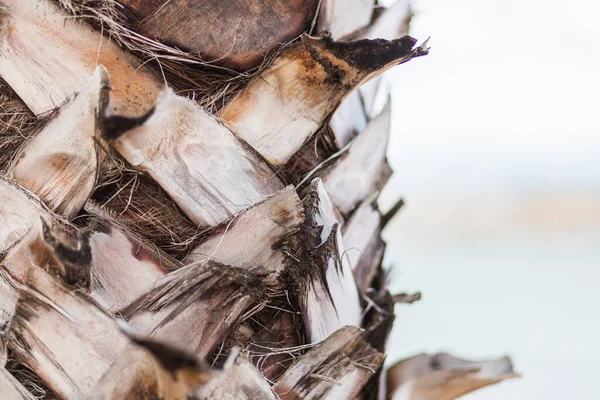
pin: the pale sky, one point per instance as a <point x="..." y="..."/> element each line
<point x="496" y="149"/>
<point x="509" y="90"/>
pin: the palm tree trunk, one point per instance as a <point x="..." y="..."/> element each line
<point x="189" y="206"/>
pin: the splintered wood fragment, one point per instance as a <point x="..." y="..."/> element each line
<point x="9" y="294"/>
<point x="238" y="380"/>
<point x="358" y="172"/>
<point x="19" y="212"/>
<point x="336" y="368"/>
<point x="349" y="119"/>
<point x="351" y="116"/>
<point x="443" y="376"/>
<point x="390" y="23"/>
<point x="196" y="306"/>
<point x="255" y="236"/>
<point x="342" y="17"/>
<point x="60" y="163"/>
<point x="46" y="56"/>
<point x="288" y="102"/>
<point x="119" y="268"/>
<point x="361" y="231"/>
<point x="332" y="298"/>
<point x="62" y="336"/>
<point x="205" y="169"/>
<point x="149" y="369"/>
<point x="11" y="389"/>
<point x="235" y="34"/>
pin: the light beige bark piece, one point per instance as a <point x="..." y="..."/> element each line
<point x="443" y="376"/>
<point x="121" y="269"/>
<point x="207" y="171"/>
<point x="290" y="101"/>
<point x="349" y="119"/>
<point x="46" y="56"/>
<point x="239" y="380"/>
<point x="360" y="229"/>
<point x="149" y="369"/>
<point x="11" y="389"/>
<point x="62" y="336"/>
<point x="9" y="292"/>
<point x="357" y="173"/>
<point x="336" y="368"/>
<point x="194" y="307"/>
<point x="60" y="163"/>
<point x="342" y="17"/>
<point x="255" y="237"/>
<point x="19" y="212"/>
<point x="335" y="303"/>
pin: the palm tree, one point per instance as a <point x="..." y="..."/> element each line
<point x="181" y="183"/>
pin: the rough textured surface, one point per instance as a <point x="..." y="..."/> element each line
<point x="60" y="163"/>
<point x="207" y="171"/>
<point x="288" y="102"/>
<point x="46" y="56"/>
<point x="235" y="34"/>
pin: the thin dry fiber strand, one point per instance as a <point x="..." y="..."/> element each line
<point x="17" y="124"/>
<point x="206" y="82"/>
<point x="28" y="379"/>
<point x="134" y="200"/>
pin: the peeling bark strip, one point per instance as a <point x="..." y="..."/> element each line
<point x="205" y="169"/>
<point x="19" y="212"/>
<point x="195" y="307"/>
<point x="336" y="368"/>
<point x="239" y="380"/>
<point x="443" y="376"/>
<point x="46" y="56"/>
<point x="11" y="389"/>
<point x="360" y="231"/>
<point x="342" y="17"/>
<point x="119" y="269"/>
<point x="9" y="293"/>
<point x="358" y="172"/>
<point x="149" y="369"/>
<point x="255" y="237"/>
<point x="60" y="163"/>
<point x="62" y="336"/>
<point x="323" y="282"/>
<point x="287" y="103"/>
<point x="390" y="23"/>
<point x="232" y="33"/>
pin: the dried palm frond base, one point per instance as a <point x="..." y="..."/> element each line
<point x="180" y="219"/>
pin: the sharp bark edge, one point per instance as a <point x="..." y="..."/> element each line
<point x="257" y="236"/>
<point x="362" y="170"/>
<point x="353" y="113"/>
<point x="321" y="279"/>
<point x="197" y="306"/>
<point x="443" y="376"/>
<point x="288" y="102"/>
<point x="336" y="368"/>
<point x="205" y="169"/>
<point x="62" y="336"/>
<point x="60" y="163"/>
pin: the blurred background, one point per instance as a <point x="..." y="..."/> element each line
<point x="495" y="146"/>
